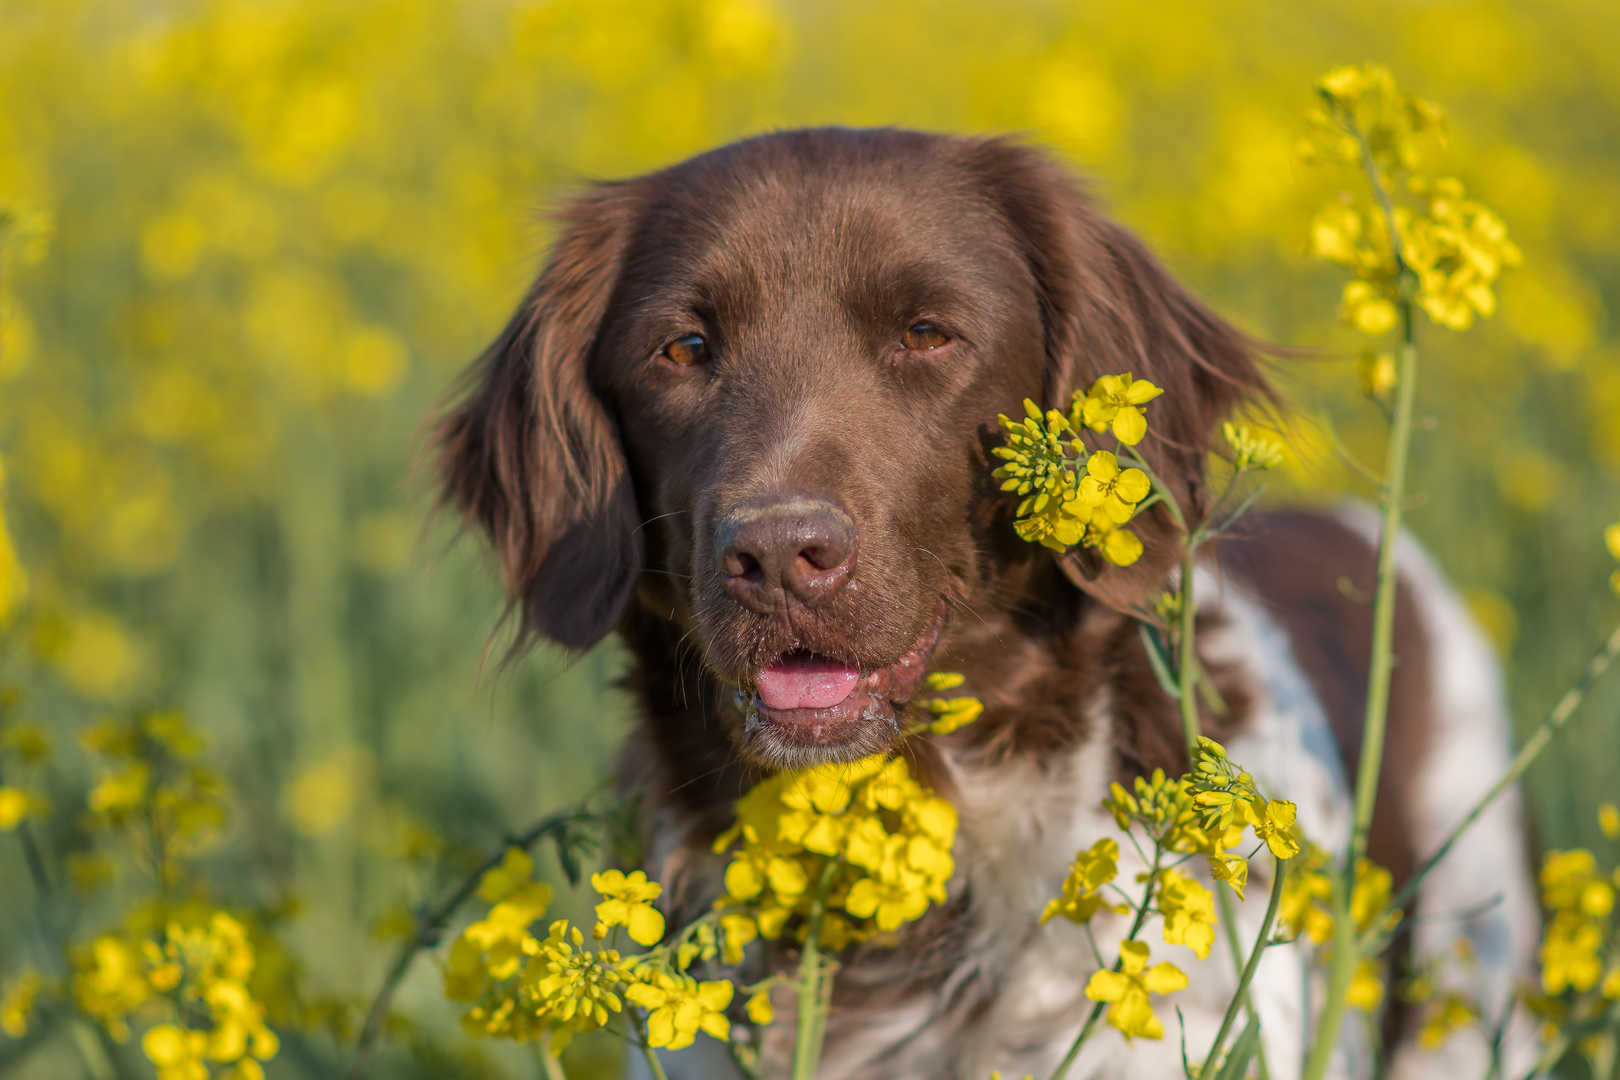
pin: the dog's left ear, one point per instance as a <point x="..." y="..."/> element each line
<point x="1110" y="307"/>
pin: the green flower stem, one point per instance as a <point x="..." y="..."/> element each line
<point x="1187" y="666"/>
<point x="647" y="1051"/>
<point x="813" y="998"/>
<point x="1346" y="954"/>
<point x="1533" y="746"/>
<point x="1240" y="996"/>
<point x="548" y="1060"/>
<point x="1097" y="1009"/>
<point x="1223" y="897"/>
<point x="1383" y="653"/>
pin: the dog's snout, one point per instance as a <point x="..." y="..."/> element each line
<point x="775" y="547"/>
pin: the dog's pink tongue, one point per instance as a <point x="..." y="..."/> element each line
<point x="805" y="682"/>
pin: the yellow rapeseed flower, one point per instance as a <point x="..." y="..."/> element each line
<point x="1189" y="912"/>
<point x="680" y="1006"/>
<point x="17" y="805"/>
<point x="1273" y="822"/>
<point x="1112" y="491"/>
<point x="1082" y="888"/>
<point x="1609" y="820"/>
<point x="17" y="1004"/>
<point x="1571" y="954"/>
<point x="628" y="904"/>
<point x="1366" y="991"/>
<point x="1115" y="402"/>
<point x="1249" y="450"/>
<point x="575" y="984"/>
<point x="1232" y="869"/>
<point x="1127" y="990"/>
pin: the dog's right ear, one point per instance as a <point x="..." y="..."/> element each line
<point x="531" y="452"/>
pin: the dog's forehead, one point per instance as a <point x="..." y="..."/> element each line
<point x="810" y="211"/>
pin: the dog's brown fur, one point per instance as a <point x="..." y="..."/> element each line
<point x="599" y="470"/>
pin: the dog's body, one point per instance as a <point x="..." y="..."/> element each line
<point x="744" y="419"/>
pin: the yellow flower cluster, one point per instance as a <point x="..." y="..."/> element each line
<point x="154" y="787"/>
<point x="868" y="835"/>
<point x="1082" y="889"/>
<point x="202" y="973"/>
<point x="17" y="1003"/>
<point x="1226" y="798"/>
<point x="1390" y="120"/>
<point x="1445" y="1011"/>
<point x="1456" y="247"/>
<point x="522" y="987"/>
<point x="1306" y="909"/>
<point x="1249" y="450"/>
<point x="1581" y="901"/>
<point x="1073" y="495"/>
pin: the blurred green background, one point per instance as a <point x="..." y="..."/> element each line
<point x="252" y="243"/>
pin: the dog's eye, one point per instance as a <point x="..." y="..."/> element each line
<point x="688" y="350"/>
<point x="923" y="336"/>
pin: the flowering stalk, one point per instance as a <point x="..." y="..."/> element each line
<point x="1097" y="1009"/>
<point x="813" y="996"/>
<point x="1346" y="953"/>
<point x="1241" y="994"/>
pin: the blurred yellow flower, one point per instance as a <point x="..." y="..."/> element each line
<point x="1082" y="889"/>
<point x="17" y="805"/>
<point x="1189" y="913"/>
<point x="1249" y="449"/>
<point x="1127" y="990"/>
<point x="680" y="1006"/>
<point x="1366" y="987"/>
<point x="1609" y="820"/>
<point x="1444" y="1016"/>
<point x="1571" y="954"/>
<point x="17" y="1003"/>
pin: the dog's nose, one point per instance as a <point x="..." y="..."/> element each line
<point x="771" y="547"/>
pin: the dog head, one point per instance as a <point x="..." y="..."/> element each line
<point x="754" y="395"/>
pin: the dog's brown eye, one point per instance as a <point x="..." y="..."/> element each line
<point x="691" y="349"/>
<point x="923" y="336"/>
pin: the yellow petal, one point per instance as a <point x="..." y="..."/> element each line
<point x="1103" y="466"/>
<point x="1164" y="978"/>
<point x="1141" y="391"/>
<point x="646" y="925"/>
<point x="1129" y="425"/>
<point x="1133" y="485"/>
<point x="1121" y="547"/>
<point x="1107" y="986"/>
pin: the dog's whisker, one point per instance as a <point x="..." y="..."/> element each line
<point x="659" y="517"/>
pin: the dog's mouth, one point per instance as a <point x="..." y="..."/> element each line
<point x="805" y="708"/>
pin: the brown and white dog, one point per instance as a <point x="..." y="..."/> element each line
<point x="744" y="418"/>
